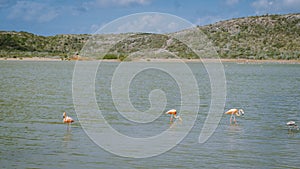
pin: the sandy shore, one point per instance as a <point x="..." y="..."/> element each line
<point x="241" y="61"/>
<point x="31" y="59"/>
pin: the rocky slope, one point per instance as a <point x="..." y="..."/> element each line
<point x="257" y="37"/>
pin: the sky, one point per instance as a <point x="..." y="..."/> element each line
<point x="51" y="17"/>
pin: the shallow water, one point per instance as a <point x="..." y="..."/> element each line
<point x="35" y="94"/>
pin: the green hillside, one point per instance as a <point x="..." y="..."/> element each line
<point x="24" y="44"/>
<point x="257" y="37"/>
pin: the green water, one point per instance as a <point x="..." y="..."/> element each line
<point x="35" y="94"/>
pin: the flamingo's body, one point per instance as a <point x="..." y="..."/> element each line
<point x="292" y="125"/>
<point x="173" y="113"/>
<point x="233" y="113"/>
<point x="67" y="119"/>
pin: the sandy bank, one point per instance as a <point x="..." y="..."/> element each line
<point x="31" y="59"/>
<point x="241" y="61"/>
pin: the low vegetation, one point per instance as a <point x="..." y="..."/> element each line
<point x="257" y="37"/>
<point x="24" y="44"/>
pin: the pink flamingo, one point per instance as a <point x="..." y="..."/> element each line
<point x="235" y="112"/>
<point x="67" y="119"/>
<point x="173" y="114"/>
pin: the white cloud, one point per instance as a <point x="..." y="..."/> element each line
<point x="232" y="2"/>
<point x="146" y="22"/>
<point x="4" y="3"/>
<point x="262" y="6"/>
<point x="266" y="6"/>
<point x="208" y="20"/>
<point x="108" y="3"/>
<point x="32" y="11"/>
<point x="291" y="4"/>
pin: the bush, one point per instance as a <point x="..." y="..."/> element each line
<point x="110" y="56"/>
<point x="122" y="57"/>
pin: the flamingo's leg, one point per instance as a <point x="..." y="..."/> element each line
<point x="69" y="126"/>
<point x="231" y="118"/>
<point x="234" y="119"/>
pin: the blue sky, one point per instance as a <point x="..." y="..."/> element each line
<point x="51" y="17"/>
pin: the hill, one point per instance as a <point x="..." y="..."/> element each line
<point x="24" y="44"/>
<point x="257" y="37"/>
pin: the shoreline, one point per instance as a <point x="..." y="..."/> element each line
<point x="31" y="59"/>
<point x="223" y="60"/>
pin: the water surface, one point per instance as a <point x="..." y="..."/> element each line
<point x="35" y="94"/>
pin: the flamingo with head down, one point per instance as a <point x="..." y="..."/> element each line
<point x="235" y="112"/>
<point x="173" y="113"/>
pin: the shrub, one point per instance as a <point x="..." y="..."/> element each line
<point x="110" y="56"/>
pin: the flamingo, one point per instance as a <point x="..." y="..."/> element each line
<point x="235" y="112"/>
<point x="173" y="113"/>
<point x="292" y="125"/>
<point x="67" y="119"/>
